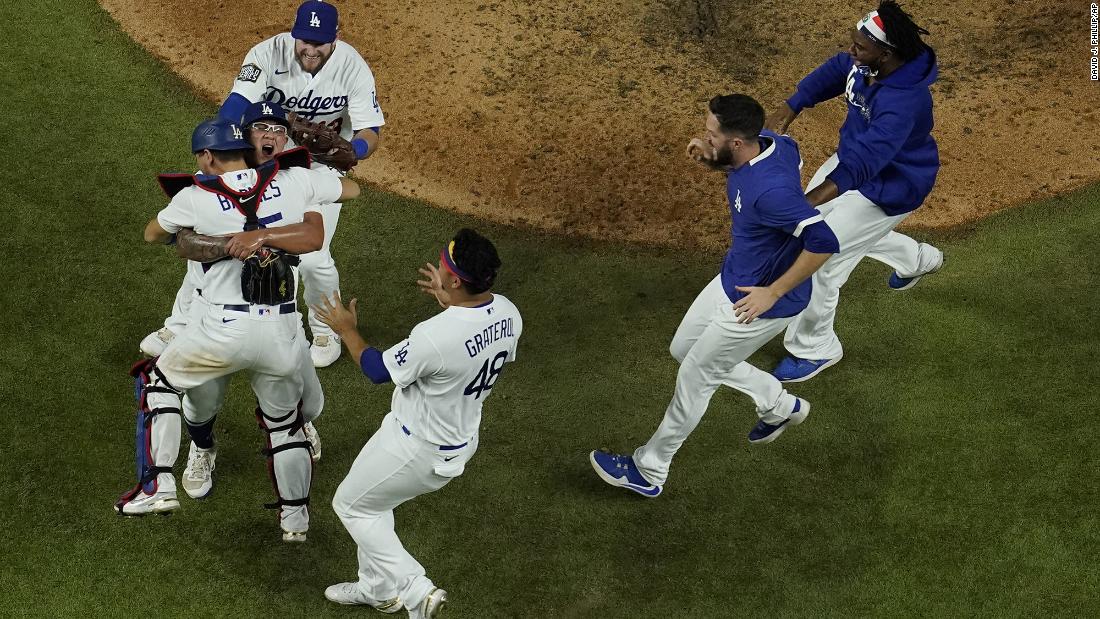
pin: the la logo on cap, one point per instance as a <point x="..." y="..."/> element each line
<point x="314" y="22"/>
<point x="266" y="110"/>
<point x="236" y="132"/>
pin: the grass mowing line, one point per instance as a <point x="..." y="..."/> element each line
<point x="944" y="470"/>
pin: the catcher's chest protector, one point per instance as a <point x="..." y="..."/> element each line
<point x="267" y="277"/>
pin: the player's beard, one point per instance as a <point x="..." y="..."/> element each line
<point x="723" y="156"/>
<point x="313" y="64"/>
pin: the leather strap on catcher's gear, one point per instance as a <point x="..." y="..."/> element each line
<point x="158" y="430"/>
<point x="289" y="465"/>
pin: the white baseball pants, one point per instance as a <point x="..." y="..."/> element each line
<point x="203" y="402"/>
<point x="392" y="468"/>
<point x="219" y="342"/>
<point x="318" y="271"/>
<point x="863" y="229"/>
<point x="712" y="348"/>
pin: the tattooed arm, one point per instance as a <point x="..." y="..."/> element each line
<point x="200" y="247"/>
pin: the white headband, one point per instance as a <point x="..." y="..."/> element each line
<point x="872" y="26"/>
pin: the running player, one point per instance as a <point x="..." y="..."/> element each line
<point x="778" y="241"/>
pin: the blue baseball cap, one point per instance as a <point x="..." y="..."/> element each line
<point x="316" y="21"/>
<point x="265" y="110"/>
<point x="218" y="134"/>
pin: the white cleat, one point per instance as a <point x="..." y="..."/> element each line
<point x="294" y="537"/>
<point x="349" y="593"/>
<point x="144" y="504"/>
<point x="325" y="350"/>
<point x="198" y="477"/>
<point x="155" y="343"/>
<point x="430" y="606"/>
<point x="314" y="440"/>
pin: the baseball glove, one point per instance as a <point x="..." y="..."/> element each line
<point x="267" y="278"/>
<point x="323" y="142"/>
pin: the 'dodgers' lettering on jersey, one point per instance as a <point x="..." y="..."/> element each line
<point x="307" y="102"/>
<point x="496" y="331"/>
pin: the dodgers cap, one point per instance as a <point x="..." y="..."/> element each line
<point x="316" y="21"/>
<point x="218" y="134"/>
<point x="265" y="110"/>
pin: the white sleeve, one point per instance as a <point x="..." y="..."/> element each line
<point x="318" y="186"/>
<point x="179" y="214"/>
<point x="517" y="327"/>
<point x="363" y="108"/>
<point x="412" y="358"/>
<point x="251" y="82"/>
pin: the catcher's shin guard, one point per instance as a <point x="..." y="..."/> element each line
<point x="290" y="467"/>
<point x="158" y="431"/>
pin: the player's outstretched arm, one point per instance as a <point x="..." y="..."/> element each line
<point x="299" y="238"/>
<point x="780" y="119"/>
<point x="822" y="193"/>
<point x="759" y="299"/>
<point x="343" y="321"/>
<point x="349" y="190"/>
<point x="819" y="242"/>
<point x="154" y="233"/>
<point x="372" y="139"/>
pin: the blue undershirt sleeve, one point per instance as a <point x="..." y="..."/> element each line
<point x="819" y="238"/>
<point x="371" y="363"/>
<point x="233" y="107"/>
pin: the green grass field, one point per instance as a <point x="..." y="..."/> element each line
<point x="949" y="467"/>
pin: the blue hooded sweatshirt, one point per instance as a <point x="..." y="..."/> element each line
<point x="886" y="148"/>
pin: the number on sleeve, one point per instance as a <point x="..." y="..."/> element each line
<point x="487" y="375"/>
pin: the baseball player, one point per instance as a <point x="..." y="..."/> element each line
<point x="778" y="241"/>
<point x="262" y="209"/>
<point x="313" y="74"/>
<point x="444" y="372"/>
<point x="883" y="169"/>
<point x="266" y="128"/>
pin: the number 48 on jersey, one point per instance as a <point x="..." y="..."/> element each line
<point x="487" y="375"/>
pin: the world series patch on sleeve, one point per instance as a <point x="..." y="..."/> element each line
<point x="249" y="73"/>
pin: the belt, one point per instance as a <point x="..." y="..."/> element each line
<point x="285" y="308"/>
<point x="441" y="447"/>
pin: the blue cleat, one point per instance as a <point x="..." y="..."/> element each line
<point x="795" y="370"/>
<point x="900" y="283"/>
<point x="766" y="432"/>
<point x="620" y="471"/>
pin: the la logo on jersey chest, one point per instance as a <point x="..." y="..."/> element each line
<point x="737" y="201"/>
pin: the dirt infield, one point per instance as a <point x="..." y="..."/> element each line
<point x="572" y="116"/>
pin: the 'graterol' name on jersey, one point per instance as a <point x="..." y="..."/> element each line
<point x="307" y="105"/>
<point x="492" y="333"/>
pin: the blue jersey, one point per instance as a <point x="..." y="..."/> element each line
<point x="769" y="213"/>
<point x="886" y="147"/>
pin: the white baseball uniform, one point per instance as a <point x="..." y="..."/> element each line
<point x="342" y="95"/>
<point x="443" y="374"/>
<point x="229" y="334"/>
